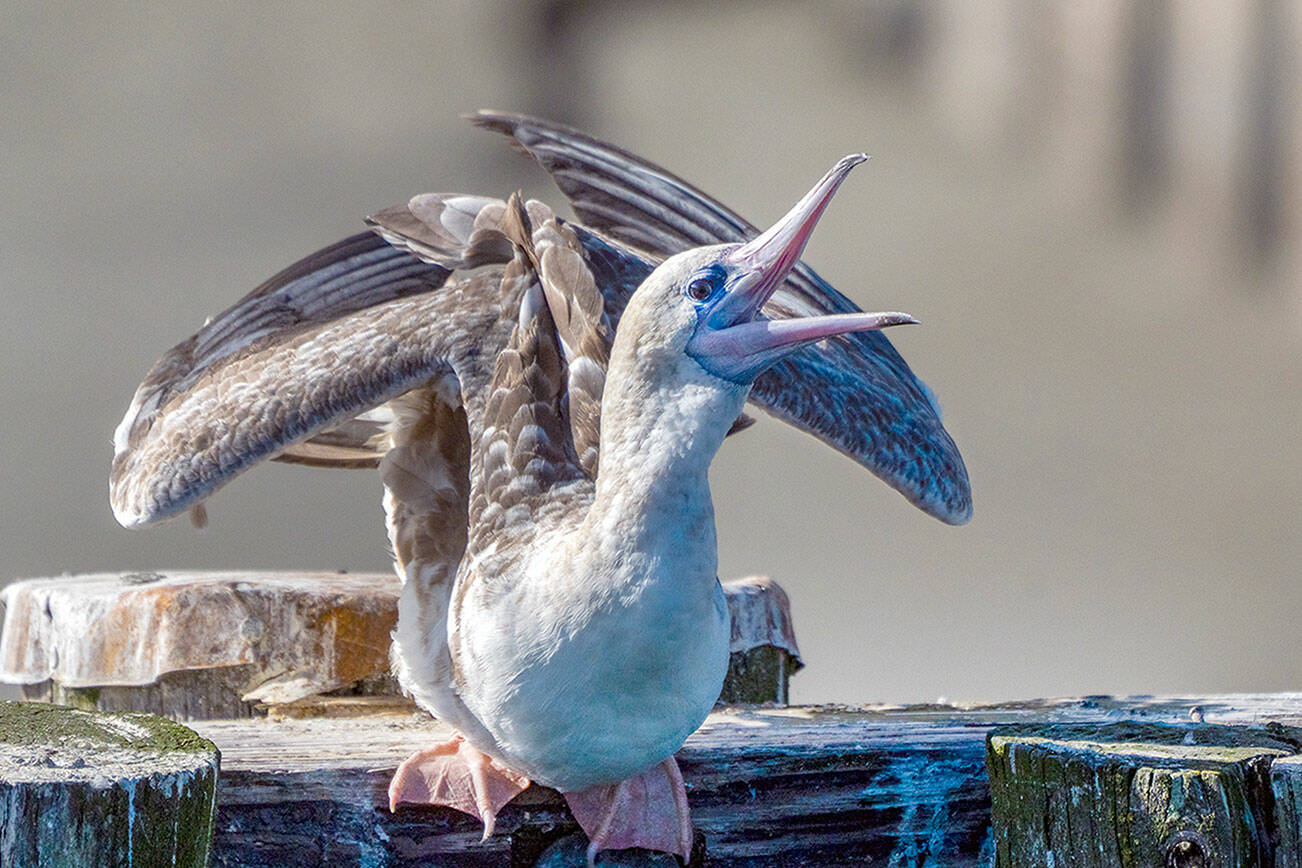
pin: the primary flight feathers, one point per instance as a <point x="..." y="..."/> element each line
<point x="307" y="367"/>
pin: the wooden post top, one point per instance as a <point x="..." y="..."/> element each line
<point x="83" y="788"/>
<point x="307" y="632"/>
<point x="298" y="634"/>
<point x="1144" y="793"/>
<point x="52" y="744"/>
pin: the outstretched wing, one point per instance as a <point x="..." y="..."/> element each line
<point x="854" y="392"/>
<point x="358" y="272"/>
<point x="189" y="431"/>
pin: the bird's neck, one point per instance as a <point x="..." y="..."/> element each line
<point x="658" y="437"/>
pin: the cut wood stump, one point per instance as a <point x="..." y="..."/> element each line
<point x="79" y="789"/>
<point x="1286" y="787"/>
<point x="763" y="651"/>
<point x="1134" y="794"/>
<point x="212" y="645"/>
<point x="194" y="646"/>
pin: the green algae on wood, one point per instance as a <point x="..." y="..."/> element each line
<point x="1135" y="795"/>
<point x="88" y="788"/>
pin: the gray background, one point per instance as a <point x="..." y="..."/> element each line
<point x="1093" y="208"/>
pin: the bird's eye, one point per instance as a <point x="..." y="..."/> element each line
<point x="700" y="288"/>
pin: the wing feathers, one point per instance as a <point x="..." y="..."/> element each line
<point x="585" y="335"/>
<point x="854" y="392"/>
<point x="461" y="231"/>
<point x="286" y="388"/>
<point x="286" y="371"/>
<point x="354" y="274"/>
<point x="450" y="230"/>
<point x="606" y="184"/>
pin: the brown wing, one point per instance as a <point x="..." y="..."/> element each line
<point x="286" y="386"/>
<point x="354" y="274"/>
<point x="585" y="335"/>
<point x="452" y="230"/>
<point x="456" y="230"/>
<point x="855" y="392"/>
<point x="358" y="443"/>
<point x="525" y="447"/>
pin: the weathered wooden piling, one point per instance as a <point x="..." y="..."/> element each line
<point x="769" y="787"/>
<point x="208" y="645"/>
<point x="1141" y="794"/>
<point x="763" y="649"/>
<point x="197" y="645"/>
<point x="313" y="729"/>
<point x="93" y="789"/>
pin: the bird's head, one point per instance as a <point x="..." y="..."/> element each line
<point x="702" y="307"/>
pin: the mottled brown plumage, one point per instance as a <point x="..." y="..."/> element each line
<point x="455" y="231"/>
<point x="356" y="273"/>
<point x="196" y="429"/>
<point x="525" y="447"/>
<point x="854" y="393"/>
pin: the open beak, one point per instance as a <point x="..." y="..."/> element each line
<point x="734" y="341"/>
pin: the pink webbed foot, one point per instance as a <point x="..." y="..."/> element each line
<point x="648" y="810"/>
<point x="455" y="775"/>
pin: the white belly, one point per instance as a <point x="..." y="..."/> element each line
<point x="593" y="693"/>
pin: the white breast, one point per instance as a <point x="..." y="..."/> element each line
<point x="597" y="664"/>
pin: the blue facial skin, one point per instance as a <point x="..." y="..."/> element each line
<point x="714" y="277"/>
<point x="707" y="289"/>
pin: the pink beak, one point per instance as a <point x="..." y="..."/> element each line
<point x="733" y="340"/>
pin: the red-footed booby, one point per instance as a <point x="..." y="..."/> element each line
<point x="546" y="490"/>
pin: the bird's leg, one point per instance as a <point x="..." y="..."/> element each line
<point x="647" y="810"/>
<point x="455" y="775"/>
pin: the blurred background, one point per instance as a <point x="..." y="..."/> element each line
<point x="1094" y="208"/>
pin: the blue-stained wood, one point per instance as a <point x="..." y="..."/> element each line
<point x="81" y="788"/>
<point x="768" y="786"/>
